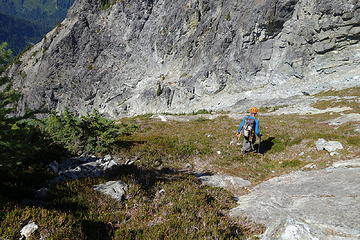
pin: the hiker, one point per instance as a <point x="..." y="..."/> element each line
<point x="250" y="128"/>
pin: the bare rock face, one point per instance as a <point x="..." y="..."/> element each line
<point x="142" y="56"/>
<point x="321" y="204"/>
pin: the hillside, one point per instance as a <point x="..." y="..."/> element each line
<point x="126" y="58"/>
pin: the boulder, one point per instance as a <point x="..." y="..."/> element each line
<point x="330" y="146"/>
<point x="115" y="189"/>
<point x="319" y="204"/>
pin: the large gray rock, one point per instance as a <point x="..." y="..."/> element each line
<point x="140" y="56"/>
<point x="321" y="204"/>
<point x="330" y="146"/>
<point x="115" y="189"/>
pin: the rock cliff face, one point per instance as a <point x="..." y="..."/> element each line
<point x="146" y="56"/>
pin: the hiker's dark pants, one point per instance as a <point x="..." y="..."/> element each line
<point x="248" y="144"/>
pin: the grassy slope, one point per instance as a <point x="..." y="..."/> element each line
<point x="185" y="209"/>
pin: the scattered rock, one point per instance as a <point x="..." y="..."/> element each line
<point x="330" y="146"/>
<point x="83" y="166"/>
<point x="188" y="165"/>
<point x="161" y="191"/>
<point x="129" y="162"/>
<point x="223" y="181"/>
<point x="309" y="166"/>
<point x="107" y="157"/>
<point x="301" y="154"/>
<point x="161" y="117"/>
<point x="27" y="230"/>
<point x="218" y="152"/>
<point x="357" y="129"/>
<point x="306" y="205"/>
<point x="54" y="166"/>
<point x="115" y="189"/>
<point x="334" y="154"/>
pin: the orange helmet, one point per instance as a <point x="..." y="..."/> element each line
<point x="254" y="110"/>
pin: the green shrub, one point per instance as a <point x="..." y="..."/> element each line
<point x="88" y="134"/>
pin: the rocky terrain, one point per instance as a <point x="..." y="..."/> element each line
<point x="137" y="57"/>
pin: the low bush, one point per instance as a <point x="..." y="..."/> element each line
<point x="89" y="134"/>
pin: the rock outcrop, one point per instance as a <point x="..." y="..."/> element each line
<point x="142" y="56"/>
<point x="81" y="167"/>
<point x="320" y="204"/>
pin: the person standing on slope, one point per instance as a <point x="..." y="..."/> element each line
<point x="250" y="128"/>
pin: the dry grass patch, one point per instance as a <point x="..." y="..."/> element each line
<point x="352" y="103"/>
<point x="355" y="91"/>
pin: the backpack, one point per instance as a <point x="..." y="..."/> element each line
<point x="249" y="128"/>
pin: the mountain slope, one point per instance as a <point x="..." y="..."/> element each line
<point x="136" y="57"/>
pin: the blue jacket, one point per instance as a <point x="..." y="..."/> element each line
<point x="257" y="125"/>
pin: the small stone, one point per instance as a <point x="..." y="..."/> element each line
<point x="54" y="166"/>
<point x="162" y="191"/>
<point x="29" y="229"/>
<point x="301" y="154"/>
<point x="218" y="152"/>
<point x="334" y="153"/>
<point x="107" y="157"/>
<point x="129" y="162"/>
<point x="309" y="166"/>
<point x="163" y="118"/>
<point x="41" y="193"/>
<point x="188" y="165"/>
